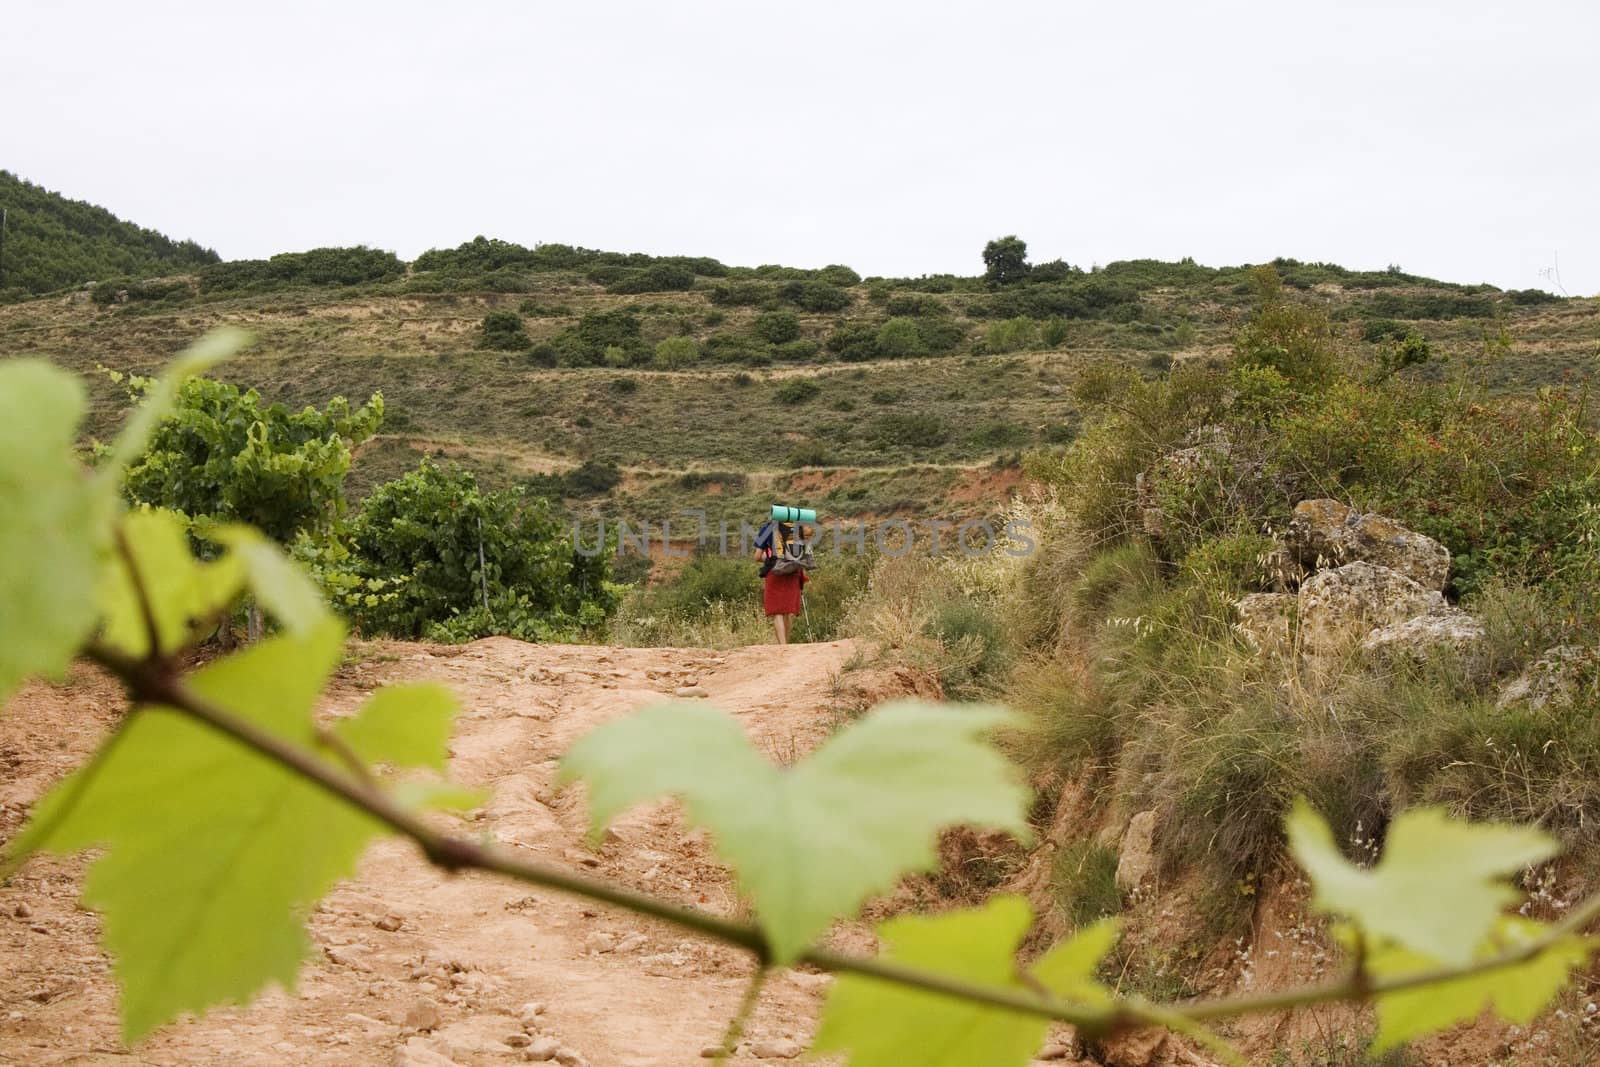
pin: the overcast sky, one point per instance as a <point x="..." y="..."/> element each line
<point x="1456" y="139"/>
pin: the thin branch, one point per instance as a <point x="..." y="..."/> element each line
<point x="741" y="1017"/>
<point x="153" y="684"/>
<point x="152" y="629"/>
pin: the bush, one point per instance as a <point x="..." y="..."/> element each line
<point x="736" y="293"/>
<point x="797" y="391"/>
<point x="976" y="644"/>
<point x="900" y="338"/>
<point x="423" y="532"/>
<point x="815" y="296"/>
<point x="913" y="305"/>
<point x="777" y="327"/>
<point x="1010" y="335"/>
<point x="808" y="454"/>
<point x="675" y="352"/>
<point x="503" y="331"/>
<point x="1053" y="332"/>
<point x="854" y="342"/>
<point x="656" y="278"/>
<point x="911" y="429"/>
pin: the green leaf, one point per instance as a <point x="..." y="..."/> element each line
<point x="1516" y="993"/>
<point x="215" y="854"/>
<point x="184" y="595"/>
<point x="205" y="353"/>
<point x="54" y="524"/>
<point x="1439" y="887"/>
<point x="809" y="843"/>
<point x="883" y="1024"/>
<point x="285" y="590"/>
<point x="408" y="725"/>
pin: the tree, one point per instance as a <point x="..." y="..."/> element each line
<point x="225" y="455"/>
<point x="1005" y="260"/>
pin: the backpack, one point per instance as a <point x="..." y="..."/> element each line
<point x="781" y="551"/>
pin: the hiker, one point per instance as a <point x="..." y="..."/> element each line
<point x="784" y="560"/>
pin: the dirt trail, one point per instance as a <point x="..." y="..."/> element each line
<point x="461" y="955"/>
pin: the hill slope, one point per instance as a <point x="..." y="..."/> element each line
<point x="865" y="397"/>
<point x="52" y="243"/>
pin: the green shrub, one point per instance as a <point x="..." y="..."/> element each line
<point x="911" y="429"/>
<point x="808" y="454"/>
<point x="1010" y="335"/>
<point x="914" y="305"/>
<point x="503" y="331"/>
<point x="675" y="352"/>
<point x="854" y="342"/>
<point x="1083" y="880"/>
<point x="797" y="391"/>
<point x="777" y="327"/>
<point x="1054" y="332"/>
<point x="815" y="296"/>
<point x="975" y="643"/>
<point x="900" y="338"/>
<point x="423" y="532"/>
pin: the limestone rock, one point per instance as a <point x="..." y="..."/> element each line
<point x="1415" y="638"/>
<point x="423" y="1016"/>
<point x="1550" y="679"/>
<point x="1328" y="533"/>
<point x="776" y="1049"/>
<point x="416" y="1053"/>
<point x="1339" y="607"/>
<point x="1138" y="858"/>
<point x="1266" y="621"/>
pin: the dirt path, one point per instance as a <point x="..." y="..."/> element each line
<point x="422" y="969"/>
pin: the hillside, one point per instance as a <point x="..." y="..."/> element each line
<point x="724" y="387"/>
<point x="53" y="243"/>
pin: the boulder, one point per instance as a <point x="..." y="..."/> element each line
<point x="1328" y="533"/>
<point x="1552" y="679"/>
<point x="1138" y="859"/>
<point x="1417" y="637"/>
<point x="1266" y="621"/>
<point x="1338" y="607"/>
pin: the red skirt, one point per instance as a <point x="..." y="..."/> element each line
<point x="782" y="593"/>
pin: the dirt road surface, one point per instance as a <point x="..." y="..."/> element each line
<point x="420" y="969"/>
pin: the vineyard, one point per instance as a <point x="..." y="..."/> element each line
<point x="471" y="862"/>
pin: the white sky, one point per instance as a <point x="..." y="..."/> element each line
<point x="1457" y="139"/>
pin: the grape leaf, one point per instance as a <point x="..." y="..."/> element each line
<point x="883" y="1024"/>
<point x="1516" y="993"/>
<point x="214" y="854"/>
<point x="54" y="524"/>
<point x="184" y="595"/>
<point x="809" y="843"/>
<point x="283" y="589"/>
<point x="1439" y="887"/>
<point x="205" y="353"/>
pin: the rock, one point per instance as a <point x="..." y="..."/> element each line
<point x="1138" y="858"/>
<point x="518" y="1040"/>
<point x="1338" y="607"/>
<point x="344" y="956"/>
<point x="528" y="1014"/>
<point x="632" y="943"/>
<point x="1266" y="621"/>
<point x="690" y="691"/>
<point x="423" y="1016"/>
<point x="1326" y="532"/>
<point x="390" y="923"/>
<point x="1054" y="1051"/>
<point x="1550" y="679"/>
<point x="780" y="1048"/>
<point x="599" y="942"/>
<point x="1416" y="638"/>
<point x="22" y="910"/>
<point x="416" y="1053"/>
<point x="541" y="1050"/>
<point x="570" y="1058"/>
<point x="711" y="1052"/>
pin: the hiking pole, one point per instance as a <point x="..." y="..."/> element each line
<point x="806" y="614"/>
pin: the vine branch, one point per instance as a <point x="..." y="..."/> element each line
<point x="157" y="680"/>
